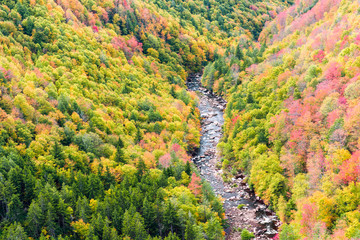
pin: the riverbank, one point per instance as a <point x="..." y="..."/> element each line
<point x="254" y="215"/>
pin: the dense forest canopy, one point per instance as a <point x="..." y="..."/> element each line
<point x="97" y="128"/>
<point x="96" y="125"/>
<point x="292" y="119"/>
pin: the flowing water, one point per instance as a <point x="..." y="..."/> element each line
<point x="254" y="216"/>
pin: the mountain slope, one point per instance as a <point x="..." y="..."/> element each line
<point x="292" y="120"/>
<point x="95" y="121"/>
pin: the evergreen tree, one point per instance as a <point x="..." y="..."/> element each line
<point x="149" y="214"/>
<point x="119" y="157"/>
<point x="114" y="235"/>
<point x="58" y="154"/>
<point x="34" y="219"/>
<point x="214" y="229"/>
<point x="133" y="226"/>
<point x="188" y="168"/>
<point x="107" y="232"/>
<point x="15" y="208"/>
<point x="98" y="223"/>
<point x="141" y="169"/>
<point x="14" y="232"/>
<point x="83" y="209"/>
<point x="172" y="236"/>
<point x="138" y="136"/>
<point x="91" y="234"/>
<point x="172" y="91"/>
<point x="190" y="232"/>
<point x="171" y="220"/>
<point x="50" y="220"/>
<point x="96" y="188"/>
<point x="238" y="52"/>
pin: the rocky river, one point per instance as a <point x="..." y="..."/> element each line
<point x="255" y="215"/>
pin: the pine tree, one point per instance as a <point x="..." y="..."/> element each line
<point x="190" y="232"/>
<point x="114" y="235"/>
<point x="95" y="186"/>
<point x="126" y="229"/>
<point x="171" y="220"/>
<point x="64" y="216"/>
<point x="133" y="226"/>
<point x="83" y="209"/>
<point x="49" y="220"/>
<point x="91" y="234"/>
<point x="58" y="154"/>
<point x="57" y="151"/>
<point x="138" y="136"/>
<point x="15" y="208"/>
<point x="119" y="157"/>
<point x="106" y="232"/>
<point x="141" y="169"/>
<point x="149" y="214"/>
<point x="188" y="168"/>
<point x="98" y="223"/>
<point x="14" y="232"/>
<point x="214" y="229"/>
<point x="172" y="91"/>
<point x="117" y="218"/>
<point x="172" y="236"/>
<point x="250" y="98"/>
<point x="138" y="224"/>
<point x="108" y="179"/>
<point x="34" y="219"/>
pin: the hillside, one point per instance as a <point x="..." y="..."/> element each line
<point x="96" y="125"/>
<point x="292" y="119"/>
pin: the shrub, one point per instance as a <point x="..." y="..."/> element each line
<point x="246" y="235"/>
<point x="241" y="206"/>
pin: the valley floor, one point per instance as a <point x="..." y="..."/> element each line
<point x="254" y="215"/>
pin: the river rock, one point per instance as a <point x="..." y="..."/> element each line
<point x="211" y="110"/>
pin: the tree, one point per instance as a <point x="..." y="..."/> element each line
<point x="149" y="214"/>
<point x="14" y="232"/>
<point x="34" y="219"/>
<point x="141" y="169"/>
<point x="50" y="220"/>
<point x="82" y="229"/>
<point x="288" y="233"/>
<point x="139" y="135"/>
<point x="83" y="210"/>
<point x="58" y="154"/>
<point x="333" y="72"/>
<point x="171" y="236"/>
<point x="350" y="169"/>
<point x="119" y="156"/>
<point x="15" y="208"/>
<point x="133" y="226"/>
<point x="188" y="168"/>
<point x="195" y="185"/>
<point x="214" y="230"/>
<point x="238" y="52"/>
<point x="190" y="232"/>
<point x="171" y="220"/>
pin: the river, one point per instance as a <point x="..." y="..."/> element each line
<point x="255" y="215"/>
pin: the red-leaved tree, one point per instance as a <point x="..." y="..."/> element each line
<point x="195" y="185"/>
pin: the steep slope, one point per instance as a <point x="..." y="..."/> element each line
<point x="70" y="87"/>
<point x="292" y="121"/>
<point x="95" y="121"/>
<point x="224" y="19"/>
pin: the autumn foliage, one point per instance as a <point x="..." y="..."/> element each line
<point x="292" y="119"/>
<point x="96" y="123"/>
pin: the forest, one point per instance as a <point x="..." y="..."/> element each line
<point x="97" y="128"/>
<point x="292" y="119"/>
<point x="96" y="125"/>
